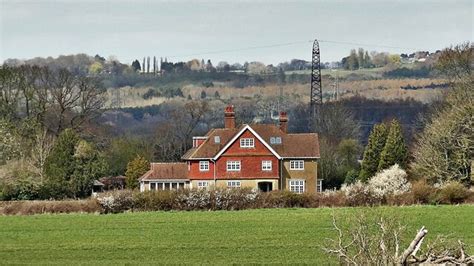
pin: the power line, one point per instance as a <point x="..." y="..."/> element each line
<point x="369" y="45"/>
<point x="290" y="44"/>
<point x="241" y="49"/>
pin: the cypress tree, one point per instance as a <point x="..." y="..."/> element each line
<point x="370" y="162"/>
<point x="395" y="151"/>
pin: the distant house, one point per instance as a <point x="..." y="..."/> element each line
<point x="260" y="156"/>
<point x="113" y="182"/>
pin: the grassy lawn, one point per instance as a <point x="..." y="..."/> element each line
<point x="253" y="236"/>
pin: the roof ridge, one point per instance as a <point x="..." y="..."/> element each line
<point x="302" y="133"/>
<point x="168" y="163"/>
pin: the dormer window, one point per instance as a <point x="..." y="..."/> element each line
<point x="275" y="140"/>
<point x="217" y="139"/>
<point x="247" y="143"/>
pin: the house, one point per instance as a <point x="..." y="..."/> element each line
<point x="260" y="156"/>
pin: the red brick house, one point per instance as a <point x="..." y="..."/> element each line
<point x="261" y="156"/>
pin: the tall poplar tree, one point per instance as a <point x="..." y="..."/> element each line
<point x="370" y="162"/>
<point x="395" y="151"/>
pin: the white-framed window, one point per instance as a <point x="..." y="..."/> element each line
<point x="203" y="166"/>
<point x="272" y="140"/>
<point x="166" y="185"/>
<point x="319" y="187"/>
<point x="217" y="139"/>
<point x="202" y="184"/>
<point x="233" y="166"/>
<point x="266" y="165"/>
<point x="233" y="184"/>
<point x="297" y="165"/>
<point x="247" y="142"/>
<point x="297" y="186"/>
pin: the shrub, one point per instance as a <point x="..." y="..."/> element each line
<point x="453" y="192"/>
<point x="153" y="200"/>
<point x="401" y="199"/>
<point x="116" y="201"/>
<point x="351" y="176"/>
<point x="150" y="93"/>
<point x="422" y="192"/>
<point x="359" y="194"/>
<point x="287" y="199"/>
<point x="391" y="181"/>
<point x="333" y="198"/>
<point x="234" y="199"/>
<point x="39" y="207"/>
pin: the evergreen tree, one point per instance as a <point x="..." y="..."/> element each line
<point x="136" y="66"/>
<point x="370" y="162"/>
<point x="360" y="58"/>
<point x="217" y="95"/>
<point x="203" y="95"/>
<point x="352" y="60"/>
<point x="395" y="151"/>
<point x="148" y="64"/>
<point x="367" y="60"/>
<point x="60" y="164"/>
<point x="89" y="166"/>
<point x="135" y="169"/>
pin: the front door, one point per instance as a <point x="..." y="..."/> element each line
<point x="265" y="186"/>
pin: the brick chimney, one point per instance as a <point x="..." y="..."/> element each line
<point x="229" y="117"/>
<point x="283" y="122"/>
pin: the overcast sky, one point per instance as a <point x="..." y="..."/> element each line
<point x="222" y="31"/>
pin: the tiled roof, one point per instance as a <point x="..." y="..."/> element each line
<point x="209" y="148"/>
<point x="293" y="145"/>
<point x="166" y="171"/>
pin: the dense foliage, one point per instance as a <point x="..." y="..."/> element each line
<point x="135" y="169"/>
<point x="445" y="149"/>
<point x="395" y="151"/>
<point x="373" y="150"/>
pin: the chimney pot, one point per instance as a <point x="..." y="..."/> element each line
<point x="229" y="117"/>
<point x="283" y="122"/>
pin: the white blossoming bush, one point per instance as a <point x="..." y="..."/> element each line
<point x="358" y="194"/>
<point x="196" y="199"/>
<point x="115" y="201"/>
<point x="391" y="181"/>
<point x="234" y="199"/>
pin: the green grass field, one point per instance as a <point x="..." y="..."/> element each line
<point x="252" y="236"/>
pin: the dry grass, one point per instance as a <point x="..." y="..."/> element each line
<point x="389" y="89"/>
<point x="384" y="89"/>
<point x="130" y="97"/>
<point x="40" y="207"/>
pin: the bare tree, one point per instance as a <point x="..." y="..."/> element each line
<point x="175" y="136"/>
<point x="10" y="92"/>
<point x="40" y="151"/>
<point x="377" y="242"/>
